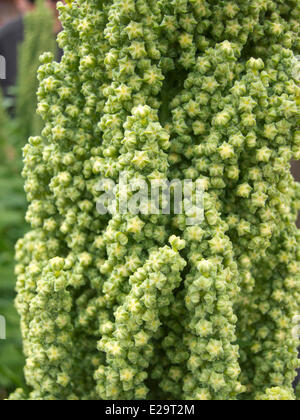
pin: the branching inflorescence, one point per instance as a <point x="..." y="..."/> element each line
<point x="143" y="306"/>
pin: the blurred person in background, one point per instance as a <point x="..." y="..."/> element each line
<point x="12" y="34"/>
<point x="8" y="11"/>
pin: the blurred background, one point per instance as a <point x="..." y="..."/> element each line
<point x="27" y="29"/>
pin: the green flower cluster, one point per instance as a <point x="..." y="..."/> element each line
<point x="143" y="306"/>
<point x="277" y="394"/>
